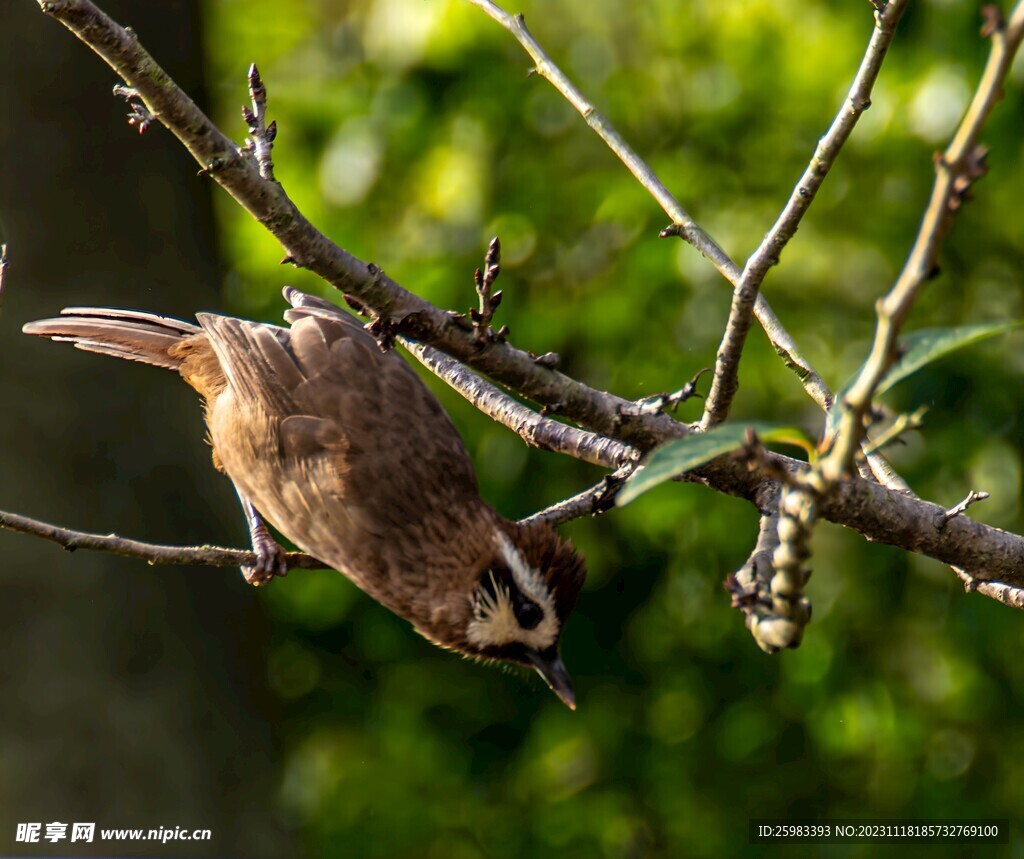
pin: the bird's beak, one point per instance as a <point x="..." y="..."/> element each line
<point x="549" y="666"/>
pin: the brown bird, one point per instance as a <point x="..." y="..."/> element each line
<point x="345" y="451"/>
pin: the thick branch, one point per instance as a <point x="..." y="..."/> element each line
<point x="883" y="515"/>
<point x="726" y="380"/>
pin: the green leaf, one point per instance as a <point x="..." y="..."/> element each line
<point x="929" y="344"/>
<point x="921" y="348"/>
<point x="684" y="454"/>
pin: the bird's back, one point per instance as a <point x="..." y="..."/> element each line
<point x="341" y="447"/>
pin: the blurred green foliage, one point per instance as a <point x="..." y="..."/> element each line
<point x="411" y="132"/>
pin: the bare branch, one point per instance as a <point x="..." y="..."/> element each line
<point x="534" y="429"/>
<point x="880" y="470"/>
<point x="592" y="502"/>
<point x="204" y="556"/>
<point x="973" y="497"/>
<point x="683" y="225"/>
<point x="892" y="433"/>
<point x="989" y="554"/>
<point x="956" y="169"/>
<point x="660" y="402"/>
<point x="484" y="278"/>
<point x="726" y="380"/>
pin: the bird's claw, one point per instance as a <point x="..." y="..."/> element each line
<point x="271" y="561"/>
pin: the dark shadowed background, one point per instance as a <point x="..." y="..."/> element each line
<point x="306" y="720"/>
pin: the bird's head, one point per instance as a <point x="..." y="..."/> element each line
<point x="521" y="600"/>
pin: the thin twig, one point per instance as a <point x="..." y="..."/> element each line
<point x="973" y="497"/>
<point x="683" y="225"/>
<point x="534" y="429"/>
<point x="880" y="469"/>
<point x="261" y="141"/>
<point x="592" y="502"/>
<point x="956" y="169"/>
<point x="726" y="379"/>
<point x="658" y="403"/>
<point x="903" y="423"/>
<point x="484" y="280"/>
<point x="205" y="556"/>
<point x="688" y="229"/>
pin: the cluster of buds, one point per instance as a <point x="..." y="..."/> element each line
<point x="489" y="300"/>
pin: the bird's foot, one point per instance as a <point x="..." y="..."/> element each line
<point x="271" y="561"/>
<point x="271" y="557"/>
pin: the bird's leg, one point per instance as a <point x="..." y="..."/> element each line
<point x="270" y="555"/>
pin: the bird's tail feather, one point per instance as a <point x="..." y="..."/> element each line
<point x="130" y="334"/>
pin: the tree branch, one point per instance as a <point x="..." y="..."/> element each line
<point x="534" y="429"/>
<point x="956" y="170"/>
<point x="987" y="555"/>
<point x="687" y="228"/>
<point x="883" y="515"/>
<point x="683" y="225"/>
<point x="726" y="379"/>
<point x="591" y="502"/>
<point x="206" y="556"/>
<point x="1006" y="594"/>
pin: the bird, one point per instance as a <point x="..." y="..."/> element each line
<point x="341" y="447"/>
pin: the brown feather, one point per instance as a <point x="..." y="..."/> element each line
<point x="346" y="452"/>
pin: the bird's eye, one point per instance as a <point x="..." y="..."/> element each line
<point x="528" y="614"/>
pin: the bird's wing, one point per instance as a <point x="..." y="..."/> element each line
<point x="379" y="388"/>
<point x="391" y="420"/>
<point x="338" y="400"/>
<point x="256" y="360"/>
